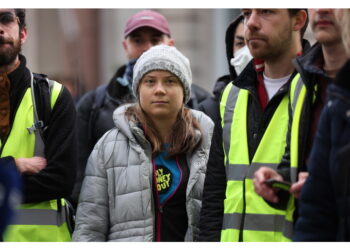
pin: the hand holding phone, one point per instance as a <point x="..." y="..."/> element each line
<point x="284" y="185"/>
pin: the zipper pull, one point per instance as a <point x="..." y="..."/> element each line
<point x="160" y="209"/>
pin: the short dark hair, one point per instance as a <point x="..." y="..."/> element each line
<point x="21" y="14"/>
<point x="293" y="12"/>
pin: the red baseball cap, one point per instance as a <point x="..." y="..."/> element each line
<point x="147" y="18"/>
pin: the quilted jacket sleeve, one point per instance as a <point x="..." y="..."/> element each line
<point x="92" y="217"/>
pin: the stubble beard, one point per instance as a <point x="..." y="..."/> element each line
<point x="273" y="49"/>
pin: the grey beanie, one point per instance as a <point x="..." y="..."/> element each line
<point x="163" y="57"/>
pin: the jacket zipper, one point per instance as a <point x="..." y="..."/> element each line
<point x="160" y="207"/>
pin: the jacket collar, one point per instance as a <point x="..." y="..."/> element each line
<point x="20" y="75"/>
<point x="311" y="62"/>
<point x="115" y="90"/>
<point x="248" y="77"/>
<point x="343" y="76"/>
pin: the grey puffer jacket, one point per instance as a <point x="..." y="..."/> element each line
<point x="116" y="200"/>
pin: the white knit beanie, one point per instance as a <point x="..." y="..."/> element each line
<point x="163" y="57"/>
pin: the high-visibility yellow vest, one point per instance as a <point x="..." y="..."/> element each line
<point x="297" y="99"/>
<point x="247" y="217"/>
<point x="42" y="221"/>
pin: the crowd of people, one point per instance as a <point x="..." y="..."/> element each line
<point x="151" y="156"/>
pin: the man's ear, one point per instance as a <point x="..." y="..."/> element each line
<point x="124" y="45"/>
<point x="23" y="35"/>
<point x="299" y="20"/>
<point x="171" y="42"/>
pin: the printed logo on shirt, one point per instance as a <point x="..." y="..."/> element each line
<point x="164" y="179"/>
<point x="168" y="177"/>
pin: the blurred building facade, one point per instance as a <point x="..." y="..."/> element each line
<point x="84" y="46"/>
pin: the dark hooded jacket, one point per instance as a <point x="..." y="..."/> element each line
<point x="210" y="106"/>
<point x="309" y="67"/>
<point x="257" y="121"/>
<point x="56" y="180"/>
<point x="210" y="225"/>
<point x="325" y="198"/>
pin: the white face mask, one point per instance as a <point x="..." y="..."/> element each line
<point x="241" y="58"/>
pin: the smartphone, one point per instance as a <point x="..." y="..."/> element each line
<point x="285" y="185"/>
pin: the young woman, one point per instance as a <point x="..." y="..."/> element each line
<point x="144" y="178"/>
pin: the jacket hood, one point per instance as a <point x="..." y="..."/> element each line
<point x="222" y="82"/>
<point x="229" y="44"/>
<point x="128" y="128"/>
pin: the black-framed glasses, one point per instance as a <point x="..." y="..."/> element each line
<point x="7" y="18"/>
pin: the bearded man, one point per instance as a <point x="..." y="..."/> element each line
<point x="254" y="119"/>
<point x="44" y="153"/>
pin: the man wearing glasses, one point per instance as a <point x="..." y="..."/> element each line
<point x="44" y="152"/>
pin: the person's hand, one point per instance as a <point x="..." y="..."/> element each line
<point x="264" y="190"/>
<point x="295" y="189"/>
<point x="30" y="165"/>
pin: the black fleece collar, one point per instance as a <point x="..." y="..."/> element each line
<point x="312" y="61"/>
<point x="20" y="77"/>
<point x="343" y="76"/>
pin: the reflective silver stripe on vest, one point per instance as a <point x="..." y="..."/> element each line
<point x="228" y="118"/>
<point x="297" y="91"/>
<point x="40" y="217"/>
<point x="259" y="222"/>
<point x="238" y="172"/>
<point x="39" y="146"/>
<point x="293" y="174"/>
<point x="298" y="88"/>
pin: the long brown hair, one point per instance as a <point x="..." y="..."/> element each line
<point x="181" y="136"/>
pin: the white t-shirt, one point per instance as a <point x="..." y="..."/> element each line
<point x="273" y="85"/>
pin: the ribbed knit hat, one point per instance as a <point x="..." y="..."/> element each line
<point x="164" y="57"/>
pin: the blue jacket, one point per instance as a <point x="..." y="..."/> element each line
<point x="10" y="191"/>
<point x="324" y="205"/>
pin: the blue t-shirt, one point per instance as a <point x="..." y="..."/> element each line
<point x="171" y="178"/>
<point x="168" y="176"/>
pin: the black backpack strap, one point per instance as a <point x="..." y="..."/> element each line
<point x="99" y="96"/>
<point x="41" y="88"/>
